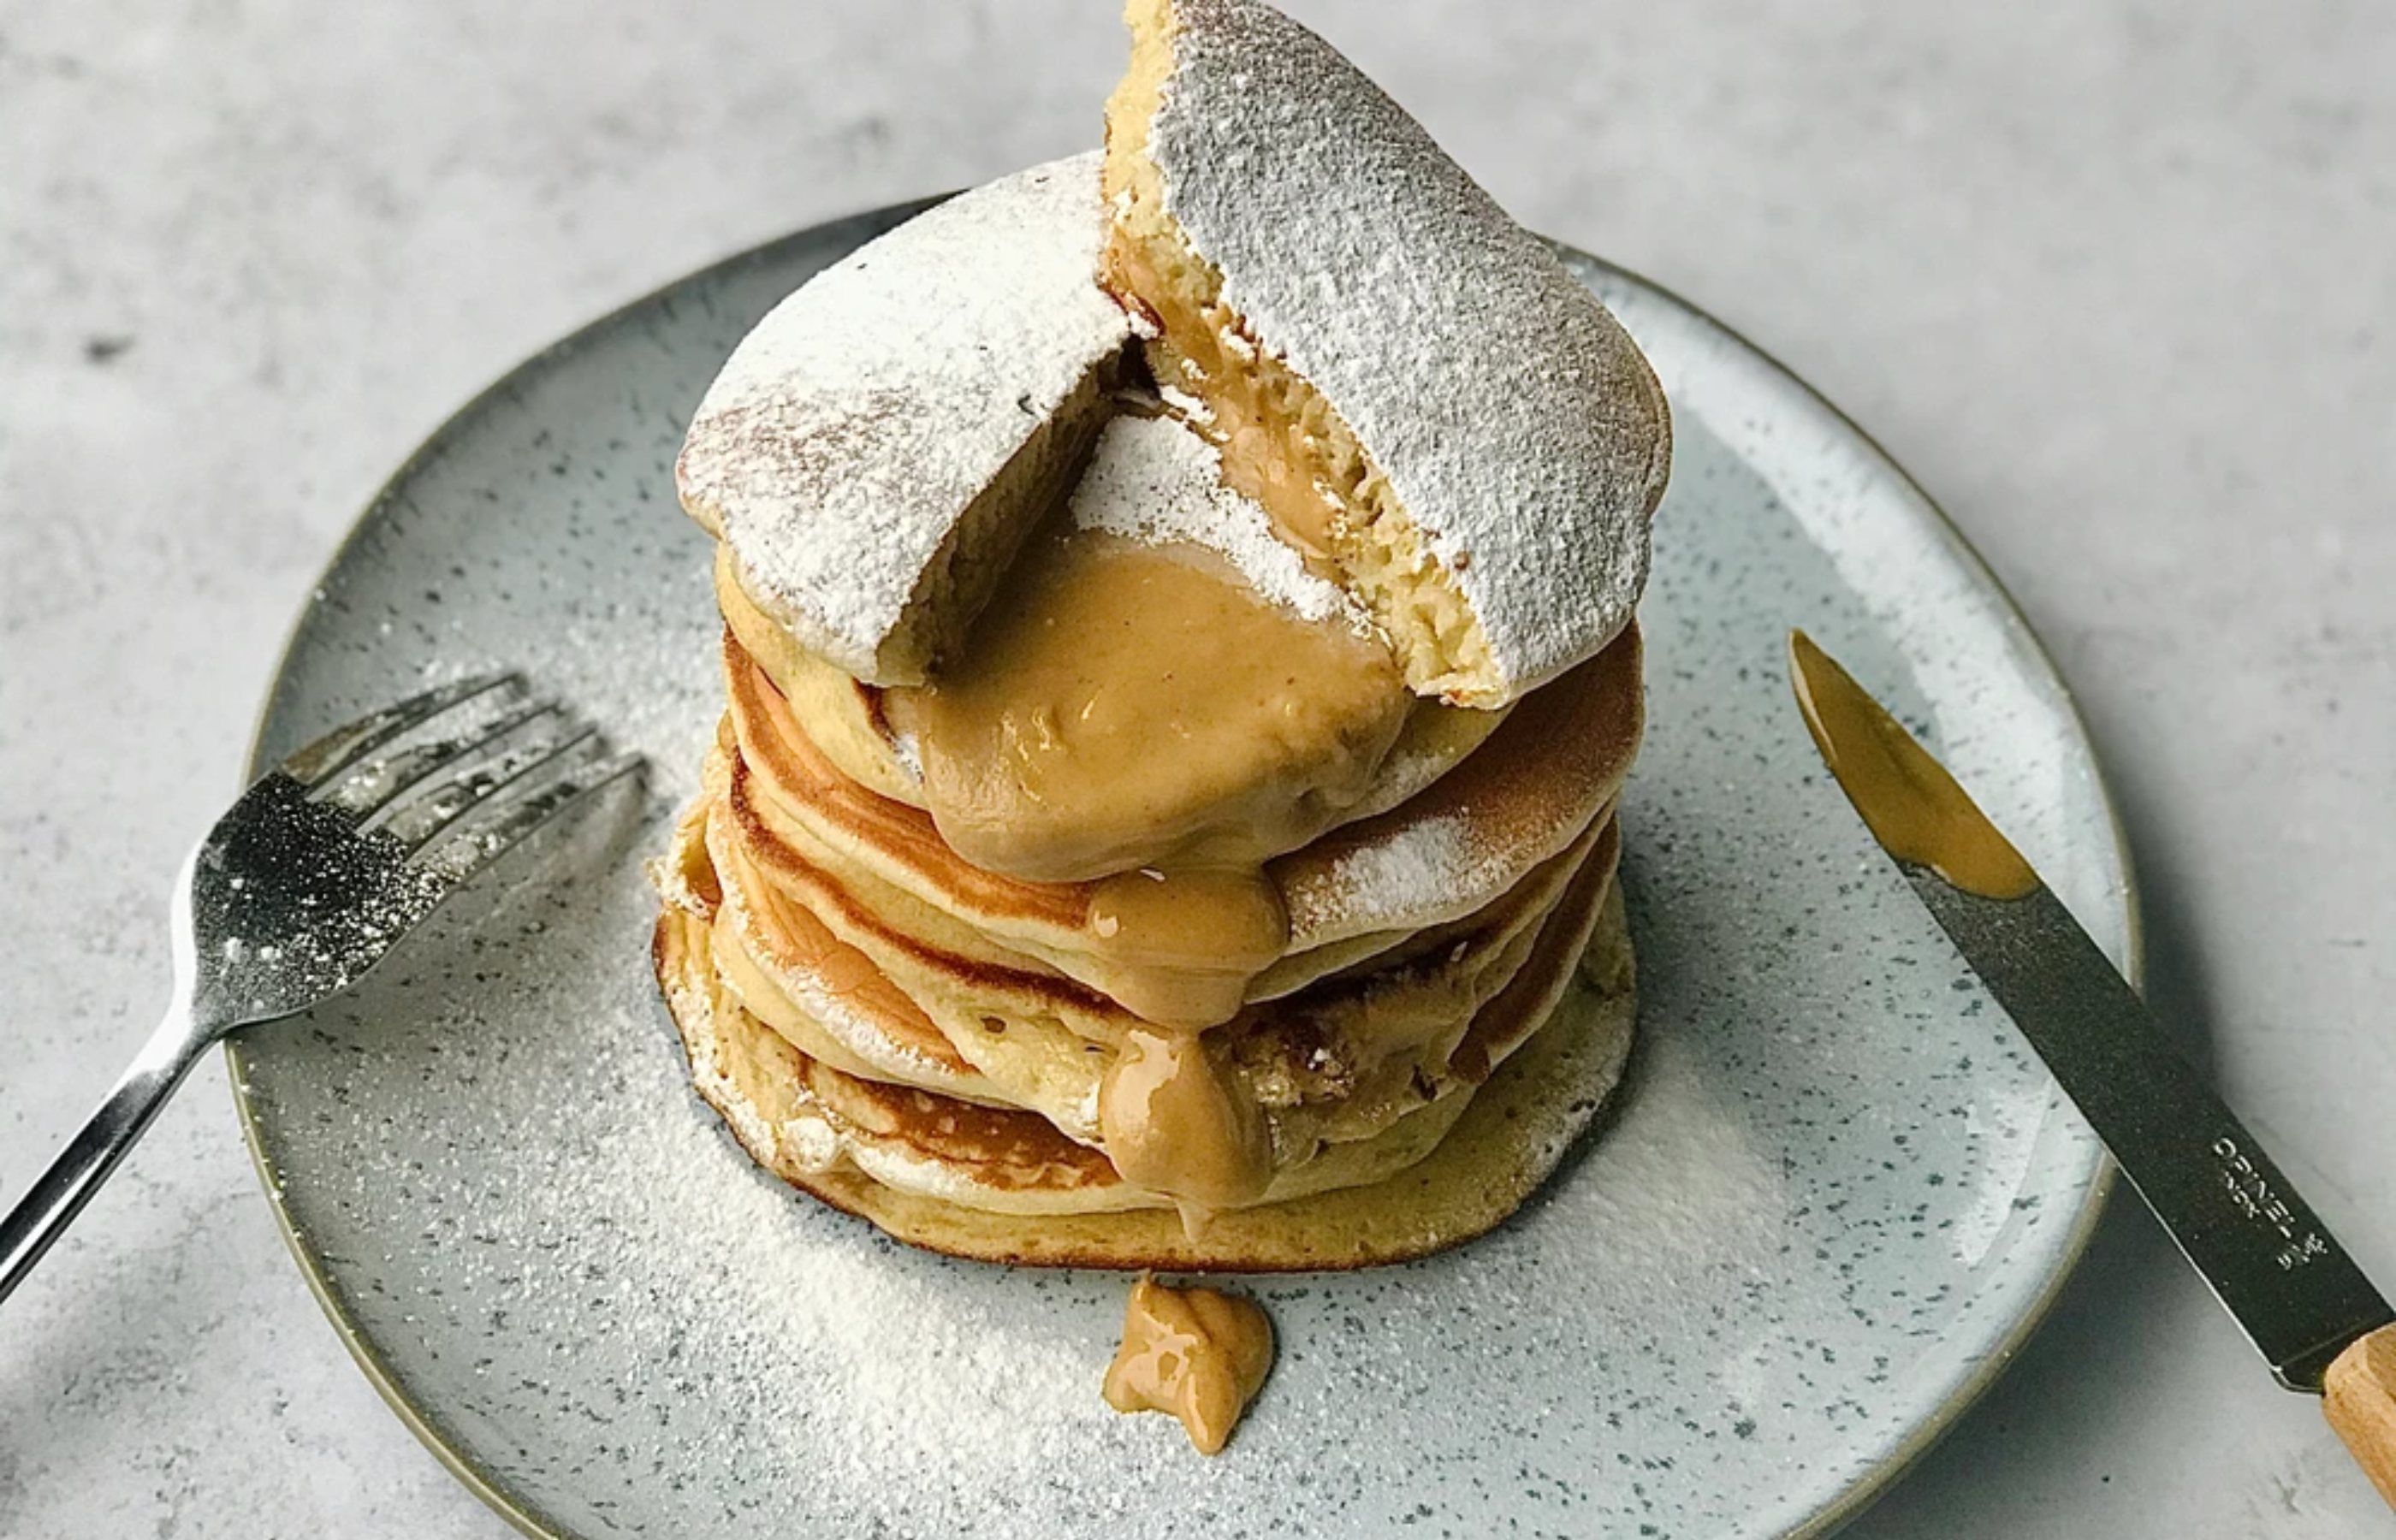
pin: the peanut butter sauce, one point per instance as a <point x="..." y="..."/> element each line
<point x="1189" y="941"/>
<point x="1124" y="705"/>
<point x="1196" y="1353"/>
<point x="1260" y="444"/>
<point x="1174" y="1118"/>
<point x="1135" y="716"/>
<point x="1908" y="799"/>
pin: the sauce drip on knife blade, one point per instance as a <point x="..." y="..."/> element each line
<point x="1913" y="806"/>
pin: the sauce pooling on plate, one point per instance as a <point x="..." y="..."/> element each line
<point x="1197" y="1353"/>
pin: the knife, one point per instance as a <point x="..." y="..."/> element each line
<point x="2266" y="1255"/>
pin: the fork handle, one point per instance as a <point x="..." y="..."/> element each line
<point x="62" y="1190"/>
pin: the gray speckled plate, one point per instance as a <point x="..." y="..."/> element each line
<point x="1837" y="1193"/>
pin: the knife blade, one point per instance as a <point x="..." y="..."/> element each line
<point x="2266" y="1255"/>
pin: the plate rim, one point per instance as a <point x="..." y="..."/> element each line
<point x="1850" y="1500"/>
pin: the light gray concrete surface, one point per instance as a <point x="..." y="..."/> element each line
<point x="2117" y="281"/>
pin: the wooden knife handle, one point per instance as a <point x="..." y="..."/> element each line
<point x="2359" y="1398"/>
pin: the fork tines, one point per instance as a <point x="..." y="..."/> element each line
<point x="468" y="760"/>
<point x="320" y="760"/>
<point x="537" y="800"/>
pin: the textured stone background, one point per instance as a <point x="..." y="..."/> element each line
<point x="2115" y="280"/>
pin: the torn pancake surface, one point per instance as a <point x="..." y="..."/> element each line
<point x="1418" y="387"/>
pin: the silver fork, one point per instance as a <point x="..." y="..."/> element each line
<point x="311" y="879"/>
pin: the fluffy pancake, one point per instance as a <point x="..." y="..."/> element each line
<point x="1523" y="796"/>
<point x="877" y="446"/>
<point x="1411" y="381"/>
<point x="1006" y="1187"/>
<point x="845" y="984"/>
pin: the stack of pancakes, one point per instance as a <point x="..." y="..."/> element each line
<point x="1164" y="811"/>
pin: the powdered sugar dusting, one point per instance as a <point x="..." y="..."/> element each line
<point x="868" y="1345"/>
<point x="851" y="428"/>
<point x="908" y="750"/>
<point x="1513" y="418"/>
<point x="1154" y="481"/>
<point x="1185" y="406"/>
<point x="1422" y="867"/>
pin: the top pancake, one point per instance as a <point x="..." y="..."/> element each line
<point x="1495" y="440"/>
<point x="1455" y="429"/>
<point x="875" y="448"/>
